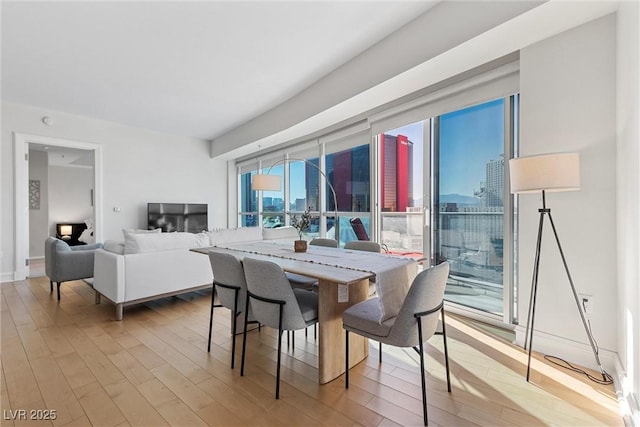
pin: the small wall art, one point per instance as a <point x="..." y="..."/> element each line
<point x="34" y="194"/>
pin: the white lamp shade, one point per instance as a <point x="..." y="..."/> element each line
<point x="66" y="230"/>
<point x="548" y="172"/>
<point x="266" y="182"/>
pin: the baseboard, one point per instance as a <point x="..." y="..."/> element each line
<point x="629" y="405"/>
<point x="572" y="351"/>
<point x="6" y="277"/>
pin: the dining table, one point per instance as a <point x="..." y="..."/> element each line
<point x="343" y="280"/>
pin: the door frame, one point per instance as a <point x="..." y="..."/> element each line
<point x="21" y="143"/>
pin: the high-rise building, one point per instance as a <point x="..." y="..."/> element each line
<point x="396" y="170"/>
<point x="494" y="184"/>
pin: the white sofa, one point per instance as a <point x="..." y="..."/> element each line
<point x="148" y="266"/>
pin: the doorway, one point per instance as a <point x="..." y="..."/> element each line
<point x="80" y="153"/>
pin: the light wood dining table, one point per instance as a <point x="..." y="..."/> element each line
<point x="339" y="287"/>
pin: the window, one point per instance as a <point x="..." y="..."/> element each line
<point x="349" y="173"/>
<point x="248" y="201"/>
<point x="469" y="204"/>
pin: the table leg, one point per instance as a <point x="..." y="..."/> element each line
<point x="331" y="341"/>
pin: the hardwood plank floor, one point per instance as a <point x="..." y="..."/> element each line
<point x="153" y="369"/>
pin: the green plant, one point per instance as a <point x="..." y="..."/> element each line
<point x="301" y="224"/>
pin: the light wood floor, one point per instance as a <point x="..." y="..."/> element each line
<point x="153" y="369"/>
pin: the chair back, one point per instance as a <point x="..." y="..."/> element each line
<point x="267" y="280"/>
<point x="329" y="243"/>
<point x="227" y="270"/>
<point x="363" y="245"/>
<point x="426" y="293"/>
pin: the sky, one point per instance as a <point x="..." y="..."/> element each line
<point x="469" y="139"/>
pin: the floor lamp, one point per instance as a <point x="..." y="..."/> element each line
<point x="266" y="182"/>
<point x="548" y="173"/>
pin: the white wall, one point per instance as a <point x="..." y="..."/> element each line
<point x="39" y="218"/>
<point x="628" y="207"/>
<point x="568" y="103"/>
<point x="70" y="195"/>
<point x="139" y="166"/>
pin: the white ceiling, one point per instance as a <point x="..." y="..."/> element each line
<point x="64" y="156"/>
<point x="187" y="68"/>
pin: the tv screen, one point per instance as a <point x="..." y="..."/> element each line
<point x="190" y="217"/>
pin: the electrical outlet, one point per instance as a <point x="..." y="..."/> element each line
<point x="587" y="303"/>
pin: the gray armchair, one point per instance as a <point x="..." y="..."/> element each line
<point x="64" y="263"/>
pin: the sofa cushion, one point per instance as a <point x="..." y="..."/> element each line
<point x="126" y="231"/>
<point x="135" y="243"/>
<point x="233" y="235"/>
<point x="114" y="246"/>
<point x="288" y="232"/>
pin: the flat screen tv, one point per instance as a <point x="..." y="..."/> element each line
<point x="190" y="217"/>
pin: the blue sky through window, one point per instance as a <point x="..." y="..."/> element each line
<point x="469" y="138"/>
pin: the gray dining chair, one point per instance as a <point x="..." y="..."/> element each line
<point x="415" y="323"/>
<point x="275" y="304"/>
<point x="231" y="287"/>
<point x="363" y="245"/>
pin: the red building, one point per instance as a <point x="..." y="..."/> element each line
<point x="397" y="173"/>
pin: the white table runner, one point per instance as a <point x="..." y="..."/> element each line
<point x="393" y="274"/>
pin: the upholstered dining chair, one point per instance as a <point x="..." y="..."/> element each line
<point x="415" y="323"/>
<point x="230" y="286"/>
<point x="275" y="304"/>
<point x="319" y="241"/>
<point x="363" y="245"/>
<point x="64" y="263"/>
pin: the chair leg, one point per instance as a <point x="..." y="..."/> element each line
<point x="59" y="283"/>
<point x="279" y="353"/>
<point x="213" y="297"/>
<point x="446" y="352"/>
<point x="379" y="352"/>
<point x="244" y="337"/>
<point x="235" y="324"/>
<point x="50" y="286"/>
<point x="346" y="359"/>
<point x="315" y="331"/>
<point x="422" y="376"/>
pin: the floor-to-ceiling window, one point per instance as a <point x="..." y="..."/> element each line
<point x="349" y="173"/>
<point x="248" y="199"/>
<point x="426" y="179"/>
<point x="453" y="166"/>
<point x="401" y="176"/>
<point x="469" y="203"/>
<point x="273" y="202"/>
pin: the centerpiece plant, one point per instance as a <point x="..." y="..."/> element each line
<point x="301" y="224"/>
